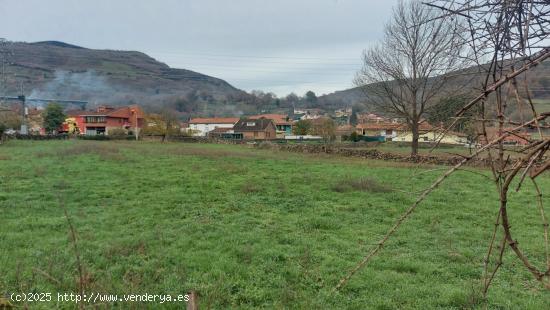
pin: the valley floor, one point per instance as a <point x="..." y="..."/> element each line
<point x="249" y="228"/>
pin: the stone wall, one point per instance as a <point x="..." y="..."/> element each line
<point x="370" y="154"/>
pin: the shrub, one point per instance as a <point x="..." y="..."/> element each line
<point x="96" y="137"/>
<point x="117" y="133"/>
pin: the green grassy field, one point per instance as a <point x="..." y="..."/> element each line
<point x="251" y="228"/>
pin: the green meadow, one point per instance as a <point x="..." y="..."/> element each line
<point x="249" y="228"/>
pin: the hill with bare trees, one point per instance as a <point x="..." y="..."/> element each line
<point x="58" y="70"/>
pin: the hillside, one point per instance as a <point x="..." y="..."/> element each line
<point x="539" y="79"/>
<point x="59" y="70"/>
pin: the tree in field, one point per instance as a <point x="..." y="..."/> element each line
<point x="9" y="119"/>
<point x="325" y="128"/>
<point x="398" y="74"/>
<point x="302" y="127"/>
<point x="53" y="117"/>
<point x="163" y="124"/>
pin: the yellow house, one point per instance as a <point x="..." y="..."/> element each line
<point x="400" y="132"/>
<point x="433" y="136"/>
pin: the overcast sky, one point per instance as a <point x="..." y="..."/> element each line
<point x="280" y="46"/>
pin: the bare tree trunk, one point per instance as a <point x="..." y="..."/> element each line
<point x="415" y="136"/>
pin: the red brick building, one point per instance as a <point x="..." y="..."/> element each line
<point x="104" y="119"/>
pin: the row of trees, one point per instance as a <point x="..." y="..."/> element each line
<point x="202" y="103"/>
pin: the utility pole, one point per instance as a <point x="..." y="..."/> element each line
<point x="137" y="127"/>
<point x="24" y="128"/>
<point x="134" y="110"/>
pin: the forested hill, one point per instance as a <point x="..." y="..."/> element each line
<point x="58" y="70"/>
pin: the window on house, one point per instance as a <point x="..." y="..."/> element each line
<point x="94" y="119"/>
<point x="250" y="124"/>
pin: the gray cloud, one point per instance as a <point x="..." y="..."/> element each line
<point x="278" y="46"/>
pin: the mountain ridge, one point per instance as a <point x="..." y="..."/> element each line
<point x="54" y="69"/>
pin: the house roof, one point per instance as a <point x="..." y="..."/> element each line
<point x="253" y="124"/>
<point x="73" y="113"/>
<point x="423" y="126"/>
<point x="85" y="113"/>
<point x="345" y="129"/>
<point x="379" y="126"/>
<point x="278" y="119"/>
<point x="220" y="130"/>
<point x="121" y="112"/>
<point x="214" y="120"/>
<point x="126" y="112"/>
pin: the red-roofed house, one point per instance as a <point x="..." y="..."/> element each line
<point x="282" y="123"/>
<point x="102" y="120"/>
<point x="202" y="126"/>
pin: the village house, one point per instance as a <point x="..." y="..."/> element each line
<point x="400" y="132"/>
<point x="312" y="114"/>
<point x="105" y="119"/>
<point x="282" y="123"/>
<point x="434" y="135"/>
<point x="344" y="112"/>
<point x="344" y="130"/>
<point x="256" y="129"/>
<point x="365" y="118"/>
<point x="202" y="126"/>
<point x="225" y="133"/>
<point x="305" y="114"/>
<point x="386" y="130"/>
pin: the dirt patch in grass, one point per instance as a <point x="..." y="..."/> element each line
<point x="360" y="184"/>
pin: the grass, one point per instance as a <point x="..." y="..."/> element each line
<point x="251" y="228"/>
<point x="542" y="105"/>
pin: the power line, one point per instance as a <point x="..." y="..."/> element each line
<point x="251" y="56"/>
